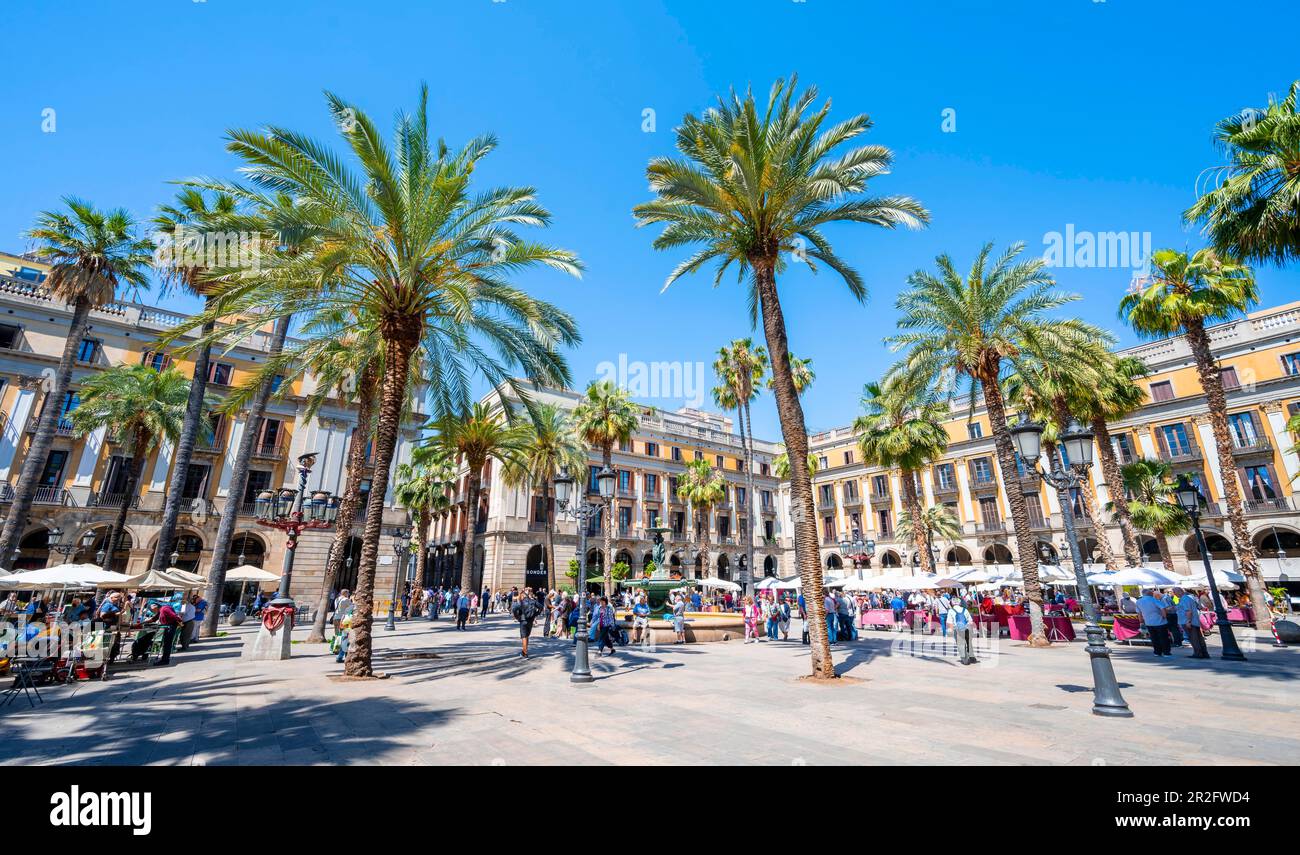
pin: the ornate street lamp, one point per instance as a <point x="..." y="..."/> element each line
<point x="858" y="550"/>
<point x="1077" y="441"/>
<point x="567" y="501"/>
<point x="401" y="549"/>
<point x="290" y="512"/>
<point x="1190" y="499"/>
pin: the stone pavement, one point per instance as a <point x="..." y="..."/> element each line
<point x="467" y="698"/>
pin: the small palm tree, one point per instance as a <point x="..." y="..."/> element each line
<point x="194" y="213"/>
<point x="141" y="407"/>
<point x="547" y="446"/>
<point x="973" y="328"/>
<point x="781" y="466"/>
<point x="925" y="526"/>
<point x="1149" y="489"/>
<point x="801" y="373"/>
<point x="740" y="368"/>
<point x="754" y="188"/>
<point x="421" y="487"/>
<point x="702" y="487"/>
<point x="604" y="418"/>
<point x="477" y="436"/>
<point x="901" y="427"/>
<point x="91" y="252"/>
<point x="1253" y="210"/>
<point x="1185" y="294"/>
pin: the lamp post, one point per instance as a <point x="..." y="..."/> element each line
<point x="567" y="501"/>
<point x="291" y="512"/>
<point x="857" y="549"/>
<point x="401" y="548"/>
<point x="1190" y="499"/>
<point x="1077" y="441"/>
<point x="64" y="546"/>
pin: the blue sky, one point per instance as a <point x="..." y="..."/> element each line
<point x="1068" y="112"/>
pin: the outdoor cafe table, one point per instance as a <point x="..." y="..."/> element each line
<point x="1241" y="614"/>
<point x="1058" y="628"/>
<point x="877" y="617"/>
<point x="1126" y="627"/>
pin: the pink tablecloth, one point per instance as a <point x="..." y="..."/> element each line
<point x="1058" y="628"/>
<point x="878" y="617"/>
<point x="1241" y="614"/>
<point x="913" y="617"/>
<point x="1126" y="627"/>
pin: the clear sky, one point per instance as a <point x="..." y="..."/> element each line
<point x="1095" y="115"/>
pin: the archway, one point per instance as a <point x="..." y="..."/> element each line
<point x="675" y="561"/>
<point x="536" y="575"/>
<point x="351" y="564"/>
<point x="1270" y="539"/>
<point x="1219" y="547"/>
<point x="624" y="557"/>
<point x="834" y="562"/>
<point x="247" y="548"/>
<point x="1047" y="553"/>
<point x="724" y="567"/>
<point x="958" y="555"/>
<point x="595" y="560"/>
<point x="1090" y="549"/>
<point x="646" y="561"/>
<point x="1150" y="548"/>
<point x="118" y="562"/>
<point x="998" y="553"/>
<point x="889" y="558"/>
<point x="769" y="565"/>
<point x="189" y="549"/>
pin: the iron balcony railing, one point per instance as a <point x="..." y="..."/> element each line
<point x="1268" y="506"/>
<point x="269" y="450"/>
<point x="1181" y="454"/>
<point x="50" y="496"/>
<point x="1250" y="444"/>
<point x="112" y="500"/>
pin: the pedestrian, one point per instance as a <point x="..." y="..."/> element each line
<point x="773" y="614"/>
<point x="605" y="627"/>
<point x="832" y="617"/>
<point x="640" y="619"/>
<point x="342" y="637"/>
<point x="1189" y="616"/>
<point x="171" y="622"/>
<point x="1170" y="602"/>
<point x="463" y="604"/>
<point x="958" y="617"/>
<point x="679" y="618"/>
<point x="783" y="618"/>
<point x="200" y="612"/>
<point x="899" y="605"/>
<point x="751" y="614"/>
<point x="1156" y="620"/>
<point x="187" y="622"/>
<point x="525" y="611"/>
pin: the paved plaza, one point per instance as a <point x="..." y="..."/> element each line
<point x="467" y="698"/>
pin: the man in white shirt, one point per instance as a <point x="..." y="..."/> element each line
<point x="1156" y="619"/>
<point x="1189" y="618"/>
<point x="186" y="614"/>
<point x="958" y="618"/>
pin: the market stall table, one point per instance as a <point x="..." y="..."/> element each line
<point x="1127" y="627"/>
<point x="878" y="617"/>
<point x="1056" y="628"/>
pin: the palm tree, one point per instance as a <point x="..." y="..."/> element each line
<point x="1149" y="489"/>
<point x="421" y="488"/>
<point x="702" y="487"/>
<point x="403" y="239"/>
<point x="971" y="328"/>
<point x="477" y="436"/>
<point x="606" y="417"/>
<point x="192" y="214"/>
<point x="740" y="369"/>
<point x="754" y="188"/>
<point x="801" y="374"/>
<point x="548" y="445"/>
<point x="141" y="407"/>
<point x="901" y="428"/>
<point x="925" y="525"/>
<point x="1186" y="293"/>
<point x="1116" y="396"/>
<point x="1253" y="210"/>
<point x="90" y="253"/>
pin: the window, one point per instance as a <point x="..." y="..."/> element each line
<point x="1259" y="483"/>
<point x="764" y="469"/>
<point x="740" y="465"/>
<point x="652" y="449"/>
<point x="679" y="523"/>
<point x="52" y="474"/>
<point x="1291" y="363"/>
<point x="220" y="373"/>
<point x="699" y="455"/>
<point x="884" y="524"/>
<point x="9" y="335"/>
<point x="271" y="430"/>
<point x="946" y="476"/>
<point x="1228" y="375"/>
<point x="539" y="510"/>
<point x="719" y="462"/>
<point x="29" y="274"/>
<point x="1242" y="427"/>
<point x="767" y="498"/>
<point x="769" y="531"/>
<point x="1035" y="507"/>
<point x="624" y="517"/>
<point x="827" y="494"/>
<point x="259" y="480"/>
<point x="651" y="485"/>
<point x="88" y="350"/>
<point x="115" y="478"/>
<point x="651" y="514"/>
<point x="880" y="486"/>
<point x="625" y="445"/>
<point x="196" y="481"/>
<point x="1162" y="391"/>
<point x="982" y="470"/>
<point x="216" y="431"/>
<point x="740" y="495"/>
<point x="974" y="430"/>
<point x="724" y="526"/>
<point x="1176" y="440"/>
<point x="848" y="458"/>
<point x="624" y="481"/>
<point x="855" y="522"/>
<point x="276" y="382"/>
<point x="989" y="515"/>
<point x="822" y="462"/>
<point x="1123" y="445"/>
<point x="592" y="486"/>
<point x="672" y="486"/>
<point x="70" y="402"/>
<point x="850" y="490"/>
<point x="155" y="359"/>
<point x="677" y="454"/>
<point x="828" y="527"/>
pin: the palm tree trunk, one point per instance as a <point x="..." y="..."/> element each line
<point x="548" y="536"/>
<point x="1088" y="494"/>
<point x="706" y="562"/>
<point x="607" y="560"/>
<point x="238" y="483"/>
<point x="471" y="533"/>
<point x="348" y="506"/>
<point x="184" y="454"/>
<point x="747" y="442"/>
<point x="1026" y="553"/>
<point x="140" y="442"/>
<point x="1163" y="543"/>
<point x="1115" y="482"/>
<point x="43" y="438"/>
<point x="795" y="433"/>
<point x="920" y="532"/>
<point x="1208" y="372"/>
<point x="419" y="548"/>
<point x="399" y="344"/>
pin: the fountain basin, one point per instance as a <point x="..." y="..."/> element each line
<point x="701" y="627"/>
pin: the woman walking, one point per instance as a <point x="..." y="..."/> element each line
<point x="751" y="612"/>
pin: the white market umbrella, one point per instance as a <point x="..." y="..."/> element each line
<point x="972" y="577"/>
<point x="153" y="580"/>
<point x="64" y="576"/>
<point x="250" y="573"/>
<point x="767" y="583"/>
<point x="193" y="578"/>
<point x="1140" y="576"/>
<point x="720" y="584"/>
<point x="794" y="583"/>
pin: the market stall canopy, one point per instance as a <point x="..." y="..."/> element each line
<point x="250" y="573"/>
<point x="972" y="577"/>
<point x="154" y="580"/>
<point x="772" y="583"/>
<point x="64" y="576"/>
<point x="1134" y="576"/>
<point x="194" y="578"/>
<point x="720" y="584"/>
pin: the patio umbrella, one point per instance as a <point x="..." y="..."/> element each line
<point x="63" y="577"/>
<point x="152" y="580"/>
<point x="250" y="573"/>
<point x="194" y="578"/>
<point x="720" y="584"/>
<point x="1141" y="576"/>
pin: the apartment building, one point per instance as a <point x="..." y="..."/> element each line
<point x="1260" y="359"/>
<point x="83" y="478"/>
<point x="512" y="519"/>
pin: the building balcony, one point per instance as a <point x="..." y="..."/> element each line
<point x="536" y="525"/>
<point x="945" y="489"/>
<point x="1187" y="454"/>
<point x="825" y="504"/>
<point x="1243" y="446"/>
<point x="830" y="540"/>
<point x="853" y="501"/>
<point x="1039" y="522"/>
<point x="50" y="496"/>
<point x="881" y="497"/>
<point x="991" y="527"/>
<point x="111" y="500"/>
<point x="627" y="492"/>
<point x="214" y="444"/>
<point x="1280" y="505"/>
<point x="269" y="450"/>
<point x="984" y="485"/>
<point x="62" y="428"/>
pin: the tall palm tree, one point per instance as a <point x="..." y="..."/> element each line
<point x="1115" y="396"/>
<point x="194" y="213"/>
<point x="901" y="427"/>
<point x="1185" y="294"/>
<point x="141" y="407"/>
<point x="1253" y="210"/>
<point x="702" y="487"/>
<point x="90" y="253"/>
<point x="547" y="445"/>
<point x="477" y="436"/>
<point x="971" y="328"/>
<point x="604" y="418"/>
<point x="740" y="368"/>
<point x="1149" y="489"/>
<point x="925" y="526"/>
<point x="421" y="487"/>
<point x="753" y="188"/>
<point x="406" y="240"/>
